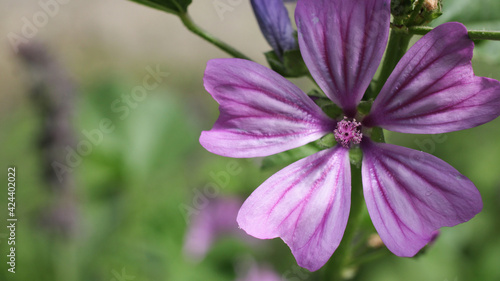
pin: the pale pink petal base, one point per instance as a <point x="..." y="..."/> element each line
<point x="306" y="204"/>
<point x="410" y="194"/>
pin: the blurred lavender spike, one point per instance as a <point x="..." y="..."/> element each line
<point x="53" y="92"/>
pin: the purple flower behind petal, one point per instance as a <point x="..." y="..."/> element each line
<point x="275" y="24"/>
<point x="260" y="273"/>
<point x="217" y="219"/>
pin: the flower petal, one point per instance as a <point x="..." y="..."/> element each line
<point x="410" y="194"/>
<point x="306" y="204"/>
<point x="261" y="113"/>
<point x="433" y="88"/>
<point x="342" y="43"/>
<point x="275" y="24"/>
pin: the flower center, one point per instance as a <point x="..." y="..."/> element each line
<point x="348" y="132"/>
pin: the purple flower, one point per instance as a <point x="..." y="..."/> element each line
<point x="217" y="219"/>
<point x="275" y="24"/>
<point x="260" y="273"/>
<point x="409" y="194"/>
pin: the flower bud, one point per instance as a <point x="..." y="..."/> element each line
<point x="401" y="7"/>
<point x="431" y="5"/>
<point x="431" y="11"/>
<point x="275" y="24"/>
<point x="374" y="241"/>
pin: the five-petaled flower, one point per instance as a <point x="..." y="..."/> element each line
<point x="409" y="194"/>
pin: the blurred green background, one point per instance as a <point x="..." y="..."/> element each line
<point x="121" y="217"/>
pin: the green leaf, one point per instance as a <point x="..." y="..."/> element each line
<point x="170" y="6"/>
<point x="328" y="141"/>
<point x="274" y="62"/>
<point x="292" y="64"/>
<point x="288" y="157"/>
<point x="469" y="11"/>
<point x="329" y="108"/>
<point x="356" y="156"/>
<point x="377" y="134"/>
<point x="479" y="15"/>
<point x="315" y="94"/>
<point x="364" y="107"/>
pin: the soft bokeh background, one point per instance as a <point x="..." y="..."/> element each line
<point x="122" y="213"/>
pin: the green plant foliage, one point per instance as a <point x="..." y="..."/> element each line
<point x="476" y="15"/>
<point x="291" y="65"/>
<point x="169" y="6"/>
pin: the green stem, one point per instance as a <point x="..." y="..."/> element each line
<point x="473" y="34"/>
<point x="369" y="257"/>
<point x="188" y="22"/>
<point x="333" y="269"/>
<point x="398" y="44"/>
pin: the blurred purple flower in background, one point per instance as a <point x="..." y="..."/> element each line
<point x="216" y="220"/>
<point x="260" y="273"/>
<point x="275" y="24"/>
<point x="409" y="194"/>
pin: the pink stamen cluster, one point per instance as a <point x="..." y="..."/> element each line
<point x="348" y="132"/>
